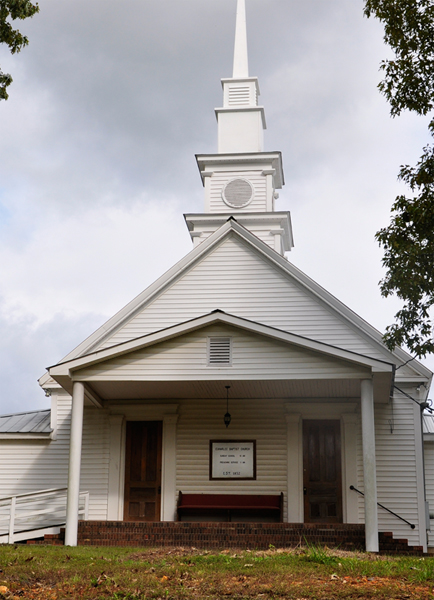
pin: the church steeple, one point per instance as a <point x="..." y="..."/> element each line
<point x="241" y="179"/>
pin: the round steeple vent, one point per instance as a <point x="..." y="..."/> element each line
<point x="238" y="193"/>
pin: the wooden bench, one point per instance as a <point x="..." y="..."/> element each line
<point x="228" y="506"/>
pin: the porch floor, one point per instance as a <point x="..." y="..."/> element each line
<point x="232" y="535"/>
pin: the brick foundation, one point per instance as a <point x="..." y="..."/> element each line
<point x="218" y="535"/>
<point x="229" y="535"/>
<point x="234" y="535"/>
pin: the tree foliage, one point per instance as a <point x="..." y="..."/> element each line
<point x="10" y="10"/>
<point x="408" y="242"/>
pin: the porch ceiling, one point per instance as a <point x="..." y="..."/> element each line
<point x="299" y="388"/>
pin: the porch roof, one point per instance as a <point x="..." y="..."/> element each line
<point x="321" y="385"/>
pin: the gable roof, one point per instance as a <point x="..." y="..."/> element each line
<point x="218" y="316"/>
<point x="125" y="362"/>
<point x="232" y="228"/>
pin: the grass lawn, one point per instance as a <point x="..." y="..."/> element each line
<point x="53" y="573"/>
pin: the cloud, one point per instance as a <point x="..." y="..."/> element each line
<point x="110" y="102"/>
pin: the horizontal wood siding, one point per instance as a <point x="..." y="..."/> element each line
<point x="260" y="420"/>
<point x="219" y="180"/>
<point x="95" y="461"/>
<point x="429" y="483"/>
<point x="29" y="466"/>
<point x="396" y="469"/>
<point x="237" y="280"/>
<point x="253" y="357"/>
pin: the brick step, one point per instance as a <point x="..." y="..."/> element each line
<point x="217" y="535"/>
<point x="50" y="539"/>
<point x="235" y="535"/>
<point x="229" y="535"/>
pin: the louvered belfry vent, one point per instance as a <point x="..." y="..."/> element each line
<point x="219" y="351"/>
<point x="239" y="96"/>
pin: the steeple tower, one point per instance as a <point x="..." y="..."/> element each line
<point x="241" y="179"/>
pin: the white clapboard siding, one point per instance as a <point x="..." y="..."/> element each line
<point x="239" y="281"/>
<point x="260" y="420"/>
<point x="253" y="357"/>
<point x="396" y="469"/>
<point x="429" y="483"/>
<point x="219" y="180"/>
<point x="28" y="466"/>
<point x="95" y="461"/>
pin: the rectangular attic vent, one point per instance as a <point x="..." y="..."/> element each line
<point x="219" y="351"/>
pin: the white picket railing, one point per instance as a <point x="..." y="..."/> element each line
<point x="36" y="511"/>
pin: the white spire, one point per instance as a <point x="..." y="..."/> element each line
<point x="241" y="61"/>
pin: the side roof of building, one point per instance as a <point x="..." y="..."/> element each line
<point x="37" y="421"/>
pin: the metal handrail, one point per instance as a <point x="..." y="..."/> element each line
<point x="385" y="508"/>
<point x="11" y="503"/>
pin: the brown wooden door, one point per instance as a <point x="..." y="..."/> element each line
<point x="143" y="471"/>
<point x="322" y="476"/>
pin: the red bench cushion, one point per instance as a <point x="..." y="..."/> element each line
<point x="230" y="501"/>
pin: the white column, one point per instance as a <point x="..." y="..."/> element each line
<point x="74" y="464"/>
<point x="369" y="466"/>
<point x="168" y="504"/>
<point x="295" y="468"/>
<point x="420" y="473"/>
<point x="349" y="425"/>
<point x="116" y="475"/>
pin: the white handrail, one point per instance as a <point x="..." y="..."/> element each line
<point x="12" y="519"/>
<point x="85" y="511"/>
<point x="49" y="491"/>
<point x="19" y="515"/>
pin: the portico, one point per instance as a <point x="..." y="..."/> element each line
<point x="266" y="409"/>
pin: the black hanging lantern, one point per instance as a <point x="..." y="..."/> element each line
<point x="227" y="417"/>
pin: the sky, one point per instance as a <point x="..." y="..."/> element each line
<point x="110" y="102"/>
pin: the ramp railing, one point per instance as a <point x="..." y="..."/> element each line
<point x="36" y="511"/>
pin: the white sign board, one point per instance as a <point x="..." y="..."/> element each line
<point x="232" y="459"/>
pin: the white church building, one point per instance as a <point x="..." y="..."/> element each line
<point x="234" y="374"/>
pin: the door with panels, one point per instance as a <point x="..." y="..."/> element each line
<point x="143" y="459"/>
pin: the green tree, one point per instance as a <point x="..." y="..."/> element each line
<point x="10" y="10"/>
<point x="408" y="241"/>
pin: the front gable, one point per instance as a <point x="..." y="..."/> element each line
<point x="236" y="273"/>
<point x="238" y="280"/>
<point x="175" y="363"/>
<point x="253" y="357"/>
